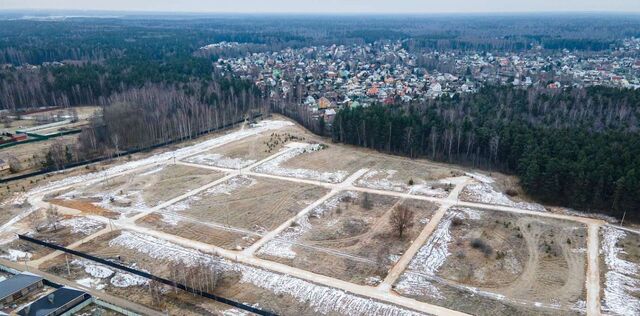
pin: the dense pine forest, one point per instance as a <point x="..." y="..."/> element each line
<point x="578" y="147"/>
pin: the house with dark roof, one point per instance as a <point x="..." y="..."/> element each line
<point x="56" y="303"/>
<point x="19" y="286"/>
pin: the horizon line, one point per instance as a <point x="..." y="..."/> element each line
<point x="325" y="13"/>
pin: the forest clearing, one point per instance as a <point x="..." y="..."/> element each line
<point x="270" y="216"/>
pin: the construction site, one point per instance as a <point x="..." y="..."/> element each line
<point x="286" y="222"/>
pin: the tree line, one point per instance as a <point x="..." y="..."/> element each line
<point x="577" y="148"/>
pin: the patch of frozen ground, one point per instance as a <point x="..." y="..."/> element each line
<point x="622" y="285"/>
<point x="371" y="180"/>
<point x="99" y="272"/>
<point x="152" y="171"/>
<point x="432" y="256"/>
<point x="122" y="279"/>
<point x="82" y="225"/>
<point x="92" y="283"/>
<point x="227" y="187"/>
<point x="480" y="177"/>
<point x="160" y="158"/>
<point x="374" y="180"/>
<point x="93" y="269"/>
<point x="282" y="245"/>
<point x="484" y="193"/>
<point x="220" y="161"/>
<point x="324" y="300"/>
<point x="15" y="255"/>
<point x="274" y="167"/>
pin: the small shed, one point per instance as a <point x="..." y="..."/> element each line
<point x="19" y="286"/>
<point x="56" y="303"/>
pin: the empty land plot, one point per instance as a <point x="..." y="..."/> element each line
<point x="620" y="271"/>
<point x="254" y="204"/>
<point x="242" y="153"/>
<point x="282" y="294"/>
<point x="32" y="155"/>
<point x="320" y="162"/>
<point x="487" y="262"/>
<point x="217" y="234"/>
<point x="144" y="189"/>
<point x="485" y="192"/>
<point x="409" y="176"/>
<point x="348" y="237"/>
<point x="129" y="286"/>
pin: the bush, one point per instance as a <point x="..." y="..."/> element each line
<point x="481" y="245"/>
<point x="456" y="221"/>
<point x="411" y="181"/>
<point x="511" y="192"/>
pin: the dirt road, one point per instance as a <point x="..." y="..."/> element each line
<point x="382" y="293"/>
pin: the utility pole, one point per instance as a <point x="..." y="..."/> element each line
<point x="66" y="258"/>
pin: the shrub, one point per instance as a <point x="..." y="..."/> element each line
<point x="511" y="192"/>
<point x="457" y="221"/>
<point x="411" y="181"/>
<point x="481" y="245"/>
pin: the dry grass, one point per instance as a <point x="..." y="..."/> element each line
<point x="258" y="204"/>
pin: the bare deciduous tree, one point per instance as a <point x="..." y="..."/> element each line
<point x="401" y="219"/>
<point x="53" y="217"/>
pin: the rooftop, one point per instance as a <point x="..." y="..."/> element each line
<point x="48" y="304"/>
<point x="17" y="283"/>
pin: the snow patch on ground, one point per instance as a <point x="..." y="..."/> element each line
<point x="432" y="256"/>
<point x="92" y="178"/>
<point x="92" y="283"/>
<point x="480" y="177"/>
<point x="16" y="255"/>
<point x="382" y="180"/>
<point x="369" y="180"/>
<point x="82" y="225"/>
<point x="220" y="161"/>
<point x="282" y="245"/>
<point x="274" y="167"/>
<point x="484" y="193"/>
<point x="231" y="185"/>
<point x="122" y="279"/>
<point x="152" y="171"/>
<point x="95" y="270"/>
<point x="323" y="300"/>
<point x="622" y="285"/>
<point x="227" y="187"/>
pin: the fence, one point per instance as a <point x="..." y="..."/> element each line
<point x="148" y="276"/>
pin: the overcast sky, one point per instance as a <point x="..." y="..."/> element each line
<point x="331" y="6"/>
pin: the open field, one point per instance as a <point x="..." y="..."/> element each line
<point x="214" y="234"/>
<point x="509" y="260"/>
<point x="140" y="190"/>
<point x="409" y="176"/>
<point x="245" y="152"/>
<point x="308" y="231"/>
<point x="348" y="237"/>
<point x="32" y="155"/>
<point x="255" y="204"/>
